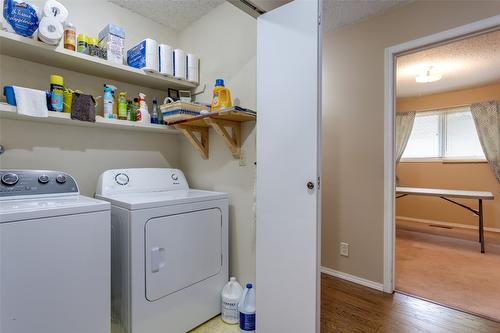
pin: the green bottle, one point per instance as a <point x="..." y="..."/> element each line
<point x="130" y="111"/>
<point x="122" y="106"/>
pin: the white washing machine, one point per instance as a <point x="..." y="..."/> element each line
<point x="54" y="255"/>
<point x="169" y="250"/>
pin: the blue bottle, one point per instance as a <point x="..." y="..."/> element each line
<point x="154" y="114"/>
<point x="246" y="308"/>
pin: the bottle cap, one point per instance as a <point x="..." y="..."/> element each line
<point x="249" y="286"/>
<point x="219" y="83"/>
<point x="57" y="79"/>
<point x="232" y="279"/>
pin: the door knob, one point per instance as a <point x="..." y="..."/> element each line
<point x="310" y="185"/>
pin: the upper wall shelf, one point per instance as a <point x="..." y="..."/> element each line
<point x="29" y="49"/>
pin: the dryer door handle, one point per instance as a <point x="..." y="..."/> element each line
<point x="157" y="259"/>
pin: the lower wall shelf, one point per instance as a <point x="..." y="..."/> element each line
<point x="226" y="124"/>
<point x="10" y="112"/>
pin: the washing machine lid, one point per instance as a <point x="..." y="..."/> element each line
<point x="25" y="209"/>
<point x="133" y="201"/>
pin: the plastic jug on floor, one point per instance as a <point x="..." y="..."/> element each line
<point x="231" y="295"/>
<point x="247" y="310"/>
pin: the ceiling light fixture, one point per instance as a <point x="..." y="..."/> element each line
<point x="430" y="75"/>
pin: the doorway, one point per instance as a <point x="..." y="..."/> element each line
<point x="443" y="214"/>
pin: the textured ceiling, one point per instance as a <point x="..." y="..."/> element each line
<point x="178" y="14"/>
<point x="339" y="13"/>
<point x="466" y="63"/>
<point x="175" y="14"/>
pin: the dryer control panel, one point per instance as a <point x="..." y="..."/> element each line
<point x="140" y="180"/>
<point x="35" y="182"/>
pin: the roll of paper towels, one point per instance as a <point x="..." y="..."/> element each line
<point x="192" y="67"/>
<point x="180" y="64"/>
<point x="166" y="60"/>
<point x="55" y="9"/>
<point x="144" y="55"/>
<point x="50" y="30"/>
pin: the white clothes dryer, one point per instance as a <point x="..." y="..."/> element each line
<point x="169" y="250"/>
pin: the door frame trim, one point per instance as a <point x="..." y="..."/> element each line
<point x="389" y="129"/>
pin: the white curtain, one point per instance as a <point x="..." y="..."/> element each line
<point x="487" y="119"/>
<point x="404" y="125"/>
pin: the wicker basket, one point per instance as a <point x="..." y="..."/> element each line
<point x="181" y="110"/>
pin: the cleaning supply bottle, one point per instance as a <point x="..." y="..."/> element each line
<point x="221" y="96"/>
<point x="129" y="110"/>
<point x="115" y="99"/>
<point x="122" y="106"/>
<point x="154" y="114"/>
<point x="135" y="115"/>
<point x="108" y="103"/>
<point x="56" y="92"/>
<point x="231" y="295"/>
<point x="246" y="308"/>
<point x="143" y="113"/>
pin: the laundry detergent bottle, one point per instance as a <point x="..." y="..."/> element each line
<point x="247" y="310"/>
<point x="221" y="96"/>
<point x="231" y="295"/>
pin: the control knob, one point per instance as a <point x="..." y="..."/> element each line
<point x="10" y="179"/>
<point x="61" y="179"/>
<point x="43" y="179"/>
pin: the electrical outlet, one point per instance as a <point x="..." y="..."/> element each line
<point x="243" y="157"/>
<point x="344" y="249"/>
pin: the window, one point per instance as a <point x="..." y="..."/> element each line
<point x="445" y="134"/>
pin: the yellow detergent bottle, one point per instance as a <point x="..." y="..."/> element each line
<point x="221" y="97"/>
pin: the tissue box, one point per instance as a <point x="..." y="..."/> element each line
<point x="112" y="40"/>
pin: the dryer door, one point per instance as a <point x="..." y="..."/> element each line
<point x="182" y="250"/>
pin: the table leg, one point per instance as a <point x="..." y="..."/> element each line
<point x="481" y="225"/>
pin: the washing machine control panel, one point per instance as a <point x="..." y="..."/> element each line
<point x="35" y="182"/>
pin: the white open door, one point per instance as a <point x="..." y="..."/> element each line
<point x="288" y="198"/>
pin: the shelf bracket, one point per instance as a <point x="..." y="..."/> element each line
<point x="201" y="143"/>
<point x="232" y="138"/>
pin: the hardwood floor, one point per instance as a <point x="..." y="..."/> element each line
<point x="348" y="307"/>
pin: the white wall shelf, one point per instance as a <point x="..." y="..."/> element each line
<point x="32" y="50"/>
<point x="10" y="112"/>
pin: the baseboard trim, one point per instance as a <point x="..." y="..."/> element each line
<point x="352" y="278"/>
<point x="445" y="224"/>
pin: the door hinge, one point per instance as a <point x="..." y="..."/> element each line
<point x="319" y="183"/>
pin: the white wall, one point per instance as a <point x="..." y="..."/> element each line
<point x="225" y="40"/>
<point x="81" y="151"/>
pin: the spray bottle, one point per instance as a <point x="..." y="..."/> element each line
<point x="143" y="110"/>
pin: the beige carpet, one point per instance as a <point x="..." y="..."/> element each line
<point x="447" y="267"/>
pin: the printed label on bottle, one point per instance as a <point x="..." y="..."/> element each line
<point x="247" y="321"/>
<point x="230" y="311"/>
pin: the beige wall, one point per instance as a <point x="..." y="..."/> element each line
<point x="353" y="132"/>
<point x="225" y="40"/>
<point x="81" y="151"/>
<point x="463" y="176"/>
<point x="449" y="99"/>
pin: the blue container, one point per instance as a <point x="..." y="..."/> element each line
<point x="8" y="92"/>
